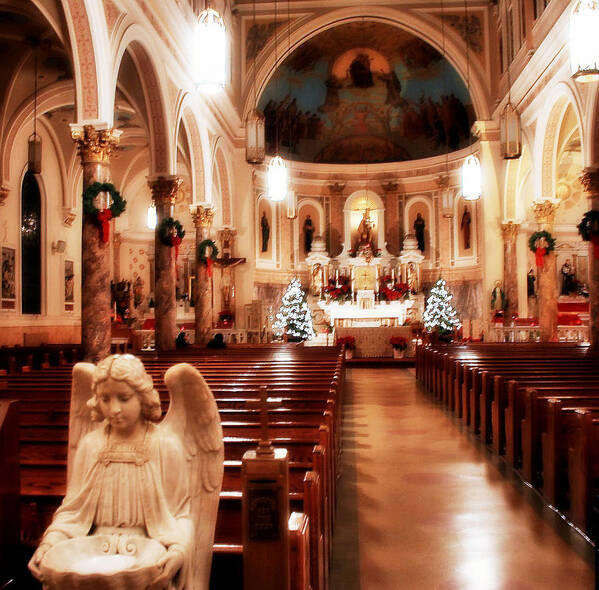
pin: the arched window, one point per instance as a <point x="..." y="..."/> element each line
<point x="31" y="268"/>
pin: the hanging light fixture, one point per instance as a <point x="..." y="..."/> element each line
<point x="443" y="180"/>
<point x="510" y="130"/>
<point x="471" y="173"/>
<point x="254" y="124"/>
<point x="152" y="218"/>
<point x="211" y="51"/>
<point x="34" y="143"/>
<point x="277" y="178"/>
<point x="584" y="41"/>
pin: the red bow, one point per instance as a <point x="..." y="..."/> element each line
<point x="175" y="241"/>
<point x="540" y="256"/>
<point x="209" y="263"/>
<point x="104" y="218"/>
<point x="595" y="242"/>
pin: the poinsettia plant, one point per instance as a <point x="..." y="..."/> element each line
<point x="390" y="290"/>
<point x="348" y="341"/>
<point x="339" y="290"/>
<point x="398" y="342"/>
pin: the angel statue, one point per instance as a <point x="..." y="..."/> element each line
<point x="133" y="482"/>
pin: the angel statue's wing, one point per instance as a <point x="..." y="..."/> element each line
<point x="80" y="420"/>
<point x="193" y="416"/>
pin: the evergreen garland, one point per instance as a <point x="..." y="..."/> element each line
<point x="165" y="232"/>
<point x="117" y="204"/>
<point x="532" y="241"/>
<point x="202" y="250"/>
<point x="589" y="226"/>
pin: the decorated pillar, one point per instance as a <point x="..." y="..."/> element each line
<point x="336" y="231"/>
<point x="391" y="217"/>
<point x="164" y="191"/>
<point x="590" y="223"/>
<point x="544" y="212"/>
<point x="202" y="215"/>
<point x="95" y="147"/>
<point x="510" y="229"/>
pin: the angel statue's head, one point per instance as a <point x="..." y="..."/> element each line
<point x="127" y="369"/>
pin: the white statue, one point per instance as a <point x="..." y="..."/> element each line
<point x="141" y="488"/>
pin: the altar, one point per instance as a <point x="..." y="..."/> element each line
<point x="374" y="342"/>
<point x="349" y="314"/>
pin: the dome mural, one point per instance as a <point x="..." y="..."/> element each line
<point x="365" y="93"/>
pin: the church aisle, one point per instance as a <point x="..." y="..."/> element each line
<point x="423" y="506"/>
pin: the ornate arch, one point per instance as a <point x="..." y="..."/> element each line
<point x="225" y="193"/>
<point x="422" y="25"/>
<point x="135" y="42"/>
<point x="551" y="121"/>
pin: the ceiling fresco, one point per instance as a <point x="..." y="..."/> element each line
<point x="365" y="93"/>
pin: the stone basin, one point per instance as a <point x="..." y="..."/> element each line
<point x="102" y="562"/>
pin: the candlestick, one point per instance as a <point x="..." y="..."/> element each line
<point x="393" y="274"/>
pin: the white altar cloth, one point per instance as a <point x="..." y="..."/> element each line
<point x="389" y="314"/>
<point x="374" y="342"/>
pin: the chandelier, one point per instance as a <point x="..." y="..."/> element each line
<point x="211" y="51"/>
<point x="254" y="124"/>
<point x="471" y="173"/>
<point x="584" y="41"/>
<point x="277" y="179"/>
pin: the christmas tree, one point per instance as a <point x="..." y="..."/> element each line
<point x="439" y="312"/>
<point x="294" y="317"/>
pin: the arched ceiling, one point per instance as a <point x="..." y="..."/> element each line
<point x="365" y="92"/>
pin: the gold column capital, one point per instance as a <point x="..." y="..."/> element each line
<point x="164" y="189"/>
<point x="202" y="214"/>
<point x="590" y="181"/>
<point x="509" y="230"/>
<point x="95" y="145"/>
<point x="544" y="211"/>
<point x="4" y="190"/>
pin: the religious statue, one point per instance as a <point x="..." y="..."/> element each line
<point x="265" y="228"/>
<point x="317" y="290"/>
<point x="365" y="231"/>
<point x="530" y="283"/>
<point x="412" y="277"/>
<point x="308" y="234"/>
<point x="138" y="291"/>
<point x="498" y="301"/>
<point x="465" y="227"/>
<point x="419" y="225"/>
<point x="134" y="484"/>
<point x="568" y="279"/>
<point x="226" y="287"/>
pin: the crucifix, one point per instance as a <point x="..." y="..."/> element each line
<point x="263" y="404"/>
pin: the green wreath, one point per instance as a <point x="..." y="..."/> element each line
<point x="202" y="250"/>
<point x="589" y="226"/>
<point x="532" y="241"/>
<point x="165" y="232"/>
<point x="117" y="205"/>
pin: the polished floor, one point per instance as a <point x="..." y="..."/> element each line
<point x="422" y="505"/>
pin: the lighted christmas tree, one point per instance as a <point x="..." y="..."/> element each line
<point x="294" y="317"/>
<point x="439" y="312"/>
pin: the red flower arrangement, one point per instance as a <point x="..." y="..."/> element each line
<point x="392" y="291"/>
<point x="349" y="341"/>
<point x="341" y="291"/>
<point x="399" y="342"/>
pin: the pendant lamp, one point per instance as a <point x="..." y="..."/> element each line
<point x="254" y="125"/>
<point x="471" y="173"/>
<point x="211" y="51"/>
<point x="34" y="143"/>
<point x="584" y="40"/>
<point x="277" y="179"/>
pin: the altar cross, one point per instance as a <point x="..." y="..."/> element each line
<point x="263" y="404"/>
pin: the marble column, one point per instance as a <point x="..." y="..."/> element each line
<point x="509" y="230"/>
<point x="164" y="190"/>
<point x="590" y="181"/>
<point x="336" y="234"/>
<point x="391" y="217"/>
<point x="95" y="147"/>
<point x="544" y="212"/>
<point x="202" y="218"/>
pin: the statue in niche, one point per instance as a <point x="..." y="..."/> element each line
<point x="498" y="300"/>
<point x="465" y="227"/>
<point x="133" y="483"/>
<point x="308" y="234"/>
<point x="568" y="279"/>
<point x="530" y="283"/>
<point x="419" y="225"/>
<point x="265" y="228"/>
<point x="365" y="231"/>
